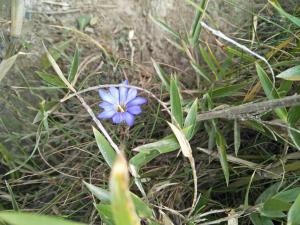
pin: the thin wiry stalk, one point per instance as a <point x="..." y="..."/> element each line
<point x="223" y="36"/>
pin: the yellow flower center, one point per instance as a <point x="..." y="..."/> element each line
<point x="121" y="108"/>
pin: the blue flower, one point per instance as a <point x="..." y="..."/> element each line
<point x="121" y="104"/>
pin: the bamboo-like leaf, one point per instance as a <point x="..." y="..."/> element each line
<point x="290" y="74"/>
<point x="74" y="66"/>
<point x="199" y="71"/>
<point x="191" y="118"/>
<point x="6" y="65"/>
<point x="165" y="27"/>
<point x="105" y="148"/>
<point x="99" y="193"/>
<point x="176" y="107"/>
<point x="150" y="151"/>
<point x="51" y="79"/>
<point x="293" y="118"/>
<point x="237" y="137"/>
<point x="104" y="196"/>
<point x="17" y="218"/>
<point x="105" y="213"/>
<point x="221" y="144"/>
<point x="270" y="91"/>
<point x="122" y="205"/>
<point x="276" y="5"/>
<point x="58" y="70"/>
<point x="161" y="74"/>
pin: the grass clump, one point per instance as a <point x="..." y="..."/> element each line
<point x="233" y="114"/>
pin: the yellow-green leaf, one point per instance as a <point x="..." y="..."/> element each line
<point x="291" y="74"/>
<point x="121" y="203"/>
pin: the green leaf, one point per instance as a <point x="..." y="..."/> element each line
<point x="273" y="208"/>
<point x="176" y="107"/>
<point x="270" y="91"/>
<point x="6" y="65"/>
<point x="56" y="52"/>
<point x="105" y="213"/>
<point x="191" y="118"/>
<point x="103" y="195"/>
<point x="257" y="219"/>
<point x="74" y="66"/>
<point x="199" y="71"/>
<point x="105" y="148"/>
<point x="16" y="218"/>
<point x="196" y="26"/>
<point x="123" y="209"/>
<point x="150" y="151"/>
<point x="51" y="79"/>
<point x="208" y="60"/>
<point x="237" y="137"/>
<point x="12" y="196"/>
<point x="289" y="195"/>
<point x="293" y="19"/>
<point x="165" y="27"/>
<point x="99" y="193"/>
<point x="221" y="144"/>
<point x="161" y="74"/>
<point x="290" y="74"/>
<point x="83" y="21"/>
<point x="5" y="154"/>
<point x="229" y="90"/>
<point x="268" y="193"/>
<point x="294" y="213"/>
<point x="293" y="118"/>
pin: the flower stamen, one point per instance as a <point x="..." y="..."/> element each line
<point x="121" y="108"/>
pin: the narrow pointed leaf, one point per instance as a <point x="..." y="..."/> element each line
<point x="176" y="107"/>
<point x="291" y="74"/>
<point x="105" y="148"/>
<point x="16" y="218"/>
<point x="123" y="209"/>
<point x="74" y="66"/>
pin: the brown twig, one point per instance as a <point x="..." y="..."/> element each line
<point x="237" y="112"/>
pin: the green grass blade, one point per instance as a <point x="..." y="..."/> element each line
<point x="165" y="27"/>
<point x="290" y="74"/>
<point x="293" y="19"/>
<point x="14" y="203"/>
<point x="293" y="118"/>
<point x="74" y="66"/>
<point x="221" y="144"/>
<point x="237" y="136"/>
<point x="121" y="203"/>
<point x="16" y="218"/>
<point x="161" y="74"/>
<point x="105" y="148"/>
<point x="270" y="91"/>
<point x="176" y="106"/>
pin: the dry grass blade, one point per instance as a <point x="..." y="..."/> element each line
<point x="187" y="152"/>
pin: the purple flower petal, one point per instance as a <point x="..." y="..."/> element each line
<point x="106" y="114"/>
<point x="137" y="101"/>
<point x="118" y="118"/>
<point x="106" y="105"/>
<point x="129" y="118"/>
<point x="131" y="95"/>
<point x="115" y="93"/>
<point x="123" y="93"/>
<point x="107" y="97"/>
<point x="135" y="110"/>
